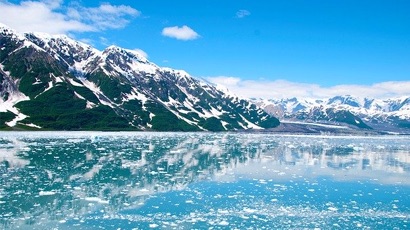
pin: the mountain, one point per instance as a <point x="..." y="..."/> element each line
<point x="389" y="115"/>
<point x="53" y="82"/>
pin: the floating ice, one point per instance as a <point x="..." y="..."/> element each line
<point x="46" y="193"/>
<point x="202" y="181"/>
<point x="97" y="200"/>
<point x="223" y="223"/>
<point x="153" y="225"/>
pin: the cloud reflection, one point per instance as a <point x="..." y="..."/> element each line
<point x="75" y="174"/>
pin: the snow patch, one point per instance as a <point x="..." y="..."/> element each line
<point x="59" y="79"/>
<point x="178" y="73"/>
<point x="137" y="66"/>
<point x="250" y="125"/>
<point x="18" y="118"/>
<point x="135" y="95"/>
<point x="224" y="124"/>
<point x="187" y="104"/>
<point x="176" y="113"/>
<point x="32" y="125"/>
<point x="74" y="83"/>
<point x="50" y="85"/>
<point x="216" y="112"/>
<point x="90" y="105"/>
<point x="79" y="96"/>
<point x="97" y="92"/>
<point x="38" y="81"/>
<point x="13" y="99"/>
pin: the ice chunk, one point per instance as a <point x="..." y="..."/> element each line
<point x="46" y="193"/>
<point x="97" y="200"/>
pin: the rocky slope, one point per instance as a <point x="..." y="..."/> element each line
<point x="56" y="83"/>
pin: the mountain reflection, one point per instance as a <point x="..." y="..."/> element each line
<point x="51" y="176"/>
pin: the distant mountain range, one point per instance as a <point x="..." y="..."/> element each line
<point x="52" y="82"/>
<point x="57" y="83"/>
<point x="387" y="115"/>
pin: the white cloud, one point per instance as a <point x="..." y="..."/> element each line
<point x="141" y="52"/>
<point x="104" y="41"/>
<point x="52" y="16"/>
<point x="285" y="89"/>
<point x="180" y="33"/>
<point x="242" y="13"/>
<point x="225" y="81"/>
<point x="105" y="16"/>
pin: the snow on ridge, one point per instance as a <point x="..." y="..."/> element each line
<point x="11" y="32"/>
<point x="112" y="48"/>
<point x="374" y="105"/>
<point x="18" y="37"/>
<point x="61" y="45"/>
<point x="40" y="35"/>
<point x="148" y="67"/>
<point x="226" y="92"/>
<point x="135" y="62"/>
<point x="3" y="26"/>
<point x="177" y="72"/>
<point x="135" y="54"/>
<point x="61" y="38"/>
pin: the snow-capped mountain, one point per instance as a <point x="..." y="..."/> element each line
<point x="54" y="82"/>
<point x="369" y="113"/>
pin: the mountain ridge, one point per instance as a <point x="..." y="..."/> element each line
<point x="361" y="112"/>
<point x="55" y="82"/>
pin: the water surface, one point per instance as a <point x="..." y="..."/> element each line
<point x="96" y="180"/>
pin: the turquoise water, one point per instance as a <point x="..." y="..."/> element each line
<point x="98" y="180"/>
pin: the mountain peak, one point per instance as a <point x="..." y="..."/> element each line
<point x="346" y="100"/>
<point x="383" y="114"/>
<point x="6" y="30"/>
<point x="113" y="48"/>
<point x="72" y="86"/>
<point x="58" y="38"/>
<point x="3" y="26"/>
<point x="179" y="73"/>
<point x="134" y="54"/>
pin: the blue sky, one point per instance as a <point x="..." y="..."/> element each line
<point x="246" y="45"/>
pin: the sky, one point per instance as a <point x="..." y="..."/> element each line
<point x="261" y="49"/>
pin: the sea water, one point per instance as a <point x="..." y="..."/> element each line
<point x="140" y="180"/>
